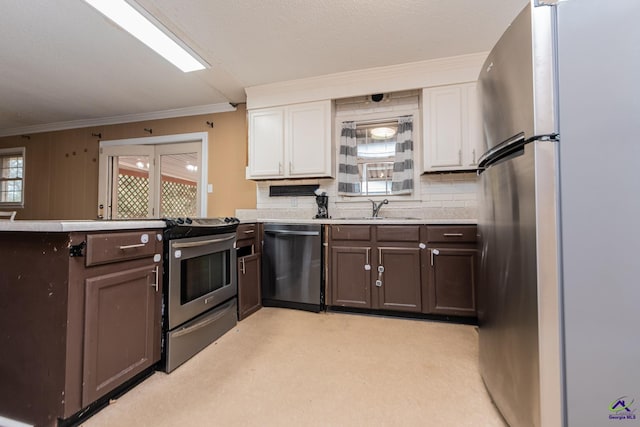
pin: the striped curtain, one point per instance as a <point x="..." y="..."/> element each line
<point x="348" y="173"/>
<point x="402" y="181"/>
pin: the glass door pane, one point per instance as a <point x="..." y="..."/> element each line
<point x="180" y="171"/>
<point x="132" y="195"/>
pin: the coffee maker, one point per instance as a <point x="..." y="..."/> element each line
<point x="322" y="200"/>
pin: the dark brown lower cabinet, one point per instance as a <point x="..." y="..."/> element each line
<point x="249" y="294"/>
<point x="351" y="276"/>
<point x="379" y="267"/>
<point x="119" y="328"/>
<point x="452" y="269"/>
<point x="79" y="316"/>
<point x="400" y="281"/>
<point x="452" y="277"/>
<point x="411" y="268"/>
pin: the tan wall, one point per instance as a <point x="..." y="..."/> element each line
<point x="61" y="168"/>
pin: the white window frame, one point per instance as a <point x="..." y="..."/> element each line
<point x="197" y="137"/>
<point x="22" y="152"/>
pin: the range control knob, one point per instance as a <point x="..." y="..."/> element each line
<point x="188" y="220"/>
<point x="180" y="220"/>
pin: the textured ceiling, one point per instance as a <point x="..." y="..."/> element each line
<point x="62" y="61"/>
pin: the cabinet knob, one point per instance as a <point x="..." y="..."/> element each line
<point x="378" y="283"/>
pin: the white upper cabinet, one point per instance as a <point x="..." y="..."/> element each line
<point x="266" y="142"/>
<point x="292" y="141"/>
<point x="452" y="132"/>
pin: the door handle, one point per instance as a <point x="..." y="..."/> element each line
<point x="201" y="243"/>
<point x="242" y="265"/>
<point x="434" y="252"/>
<point x="155" y="283"/>
<point x="293" y="233"/>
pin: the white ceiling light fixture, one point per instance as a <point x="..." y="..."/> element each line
<point x="140" y="24"/>
<point x="382" y="132"/>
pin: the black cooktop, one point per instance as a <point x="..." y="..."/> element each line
<point x="182" y="227"/>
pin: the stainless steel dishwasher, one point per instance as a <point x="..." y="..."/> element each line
<point x="292" y="266"/>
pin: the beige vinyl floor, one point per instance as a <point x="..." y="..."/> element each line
<point x="283" y="367"/>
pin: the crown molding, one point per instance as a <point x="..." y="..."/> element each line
<point x="393" y="78"/>
<point x="223" y="107"/>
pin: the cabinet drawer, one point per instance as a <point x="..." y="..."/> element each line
<point x="246" y="235"/>
<point x="451" y="233"/>
<point x="351" y="232"/>
<point x="112" y="247"/>
<point x="398" y="233"/>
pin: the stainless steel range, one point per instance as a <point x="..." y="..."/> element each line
<point x="201" y="285"/>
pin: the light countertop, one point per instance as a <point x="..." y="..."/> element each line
<point x="53" y="226"/>
<point x="369" y="221"/>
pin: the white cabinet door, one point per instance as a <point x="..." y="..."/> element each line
<point x="451" y="134"/>
<point x="473" y="145"/>
<point x="266" y="143"/>
<point x="292" y="141"/>
<point x="443" y="127"/>
<point x="309" y="136"/>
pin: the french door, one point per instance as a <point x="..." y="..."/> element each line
<point x="150" y="181"/>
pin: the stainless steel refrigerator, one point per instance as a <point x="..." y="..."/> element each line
<point x="559" y="292"/>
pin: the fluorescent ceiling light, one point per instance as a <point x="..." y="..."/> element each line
<point x="153" y="34"/>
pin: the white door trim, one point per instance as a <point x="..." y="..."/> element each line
<point x="201" y="137"/>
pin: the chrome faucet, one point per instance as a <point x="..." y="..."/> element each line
<point x="377" y="206"/>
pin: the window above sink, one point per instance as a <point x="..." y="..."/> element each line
<point x="375" y="138"/>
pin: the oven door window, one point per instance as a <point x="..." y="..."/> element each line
<point x="204" y="274"/>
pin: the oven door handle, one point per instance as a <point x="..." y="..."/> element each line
<point x="178" y="245"/>
<point x="294" y="233"/>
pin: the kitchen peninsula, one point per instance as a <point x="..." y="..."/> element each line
<point x="79" y="313"/>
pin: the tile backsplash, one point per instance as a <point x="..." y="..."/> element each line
<point x="438" y="196"/>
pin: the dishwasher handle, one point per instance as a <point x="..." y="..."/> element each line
<point x="293" y="233"/>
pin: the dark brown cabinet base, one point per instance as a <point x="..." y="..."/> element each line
<point x="376" y="267"/>
<point x="452" y="278"/>
<point x="79" y="326"/>
<point x="249" y="295"/>
<point x="452" y="269"/>
<point x="429" y="270"/>
<point x="119" y="327"/>
<point x="249" y="269"/>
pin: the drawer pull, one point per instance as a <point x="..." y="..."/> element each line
<point x="249" y="231"/>
<point x="453" y="234"/>
<point x="139" y="245"/>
